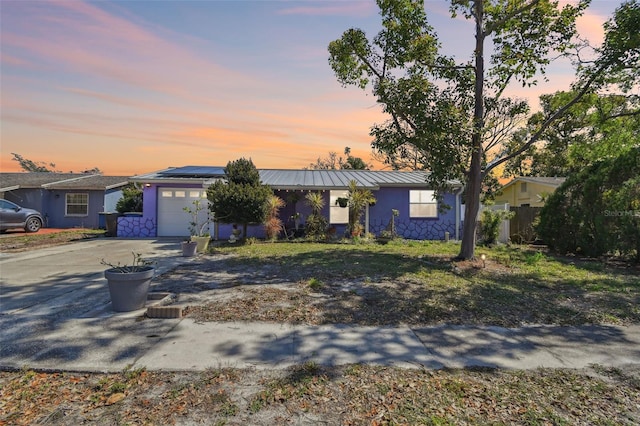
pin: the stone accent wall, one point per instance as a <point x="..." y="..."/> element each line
<point x="137" y="227"/>
<point x="417" y="229"/>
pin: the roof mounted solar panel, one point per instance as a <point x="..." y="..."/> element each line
<point x="194" y="172"/>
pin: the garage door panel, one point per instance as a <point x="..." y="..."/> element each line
<point x="173" y="221"/>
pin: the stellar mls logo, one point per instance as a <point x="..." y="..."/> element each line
<point x="622" y="213"/>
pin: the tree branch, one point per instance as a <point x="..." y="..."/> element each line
<point x="499" y="23"/>
<point x="623" y="114"/>
<point x="550" y="120"/>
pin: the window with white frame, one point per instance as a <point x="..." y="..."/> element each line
<point x="423" y="203"/>
<point x="337" y="214"/>
<point x="77" y="205"/>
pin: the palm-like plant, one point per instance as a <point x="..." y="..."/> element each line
<point x="316" y="223"/>
<point x="273" y="224"/>
<point x="315" y="201"/>
<point x="358" y="200"/>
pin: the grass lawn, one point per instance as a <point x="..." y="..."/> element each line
<point x="417" y="283"/>
<point x="403" y="282"/>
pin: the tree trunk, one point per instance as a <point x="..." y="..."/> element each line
<point x="472" y="206"/>
<point x="474" y="176"/>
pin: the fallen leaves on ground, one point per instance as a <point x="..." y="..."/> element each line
<point x="346" y="395"/>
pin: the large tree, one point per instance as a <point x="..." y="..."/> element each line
<point x="456" y="113"/>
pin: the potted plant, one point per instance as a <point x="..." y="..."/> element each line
<point x="129" y="284"/>
<point x="342" y="202"/>
<point x="197" y="226"/>
<point x="189" y="248"/>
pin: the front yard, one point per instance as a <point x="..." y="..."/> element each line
<point x="405" y="282"/>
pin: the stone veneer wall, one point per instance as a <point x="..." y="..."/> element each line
<point x="137" y="227"/>
<point x="417" y="229"/>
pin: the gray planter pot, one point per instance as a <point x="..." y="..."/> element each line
<point x="129" y="290"/>
<point x="189" y="248"/>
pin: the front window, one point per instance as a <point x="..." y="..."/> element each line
<point x="423" y="204"/>
<point x="77" y="205"/>
<point x="337" y="214"/>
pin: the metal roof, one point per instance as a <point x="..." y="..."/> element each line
<point x="50" y="180"/>
<point x="296" y="179"/>
<point x="339" y="179"/>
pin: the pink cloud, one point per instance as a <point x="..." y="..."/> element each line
<point x="82" y="38"/>
<point x="351" y="8"/>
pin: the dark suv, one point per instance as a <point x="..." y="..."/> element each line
<point x="14" y="216"/>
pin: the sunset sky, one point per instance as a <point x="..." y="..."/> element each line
<point x="135" y="86"/>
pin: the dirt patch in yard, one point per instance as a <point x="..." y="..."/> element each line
<point x="13" y="242"/>
<point x="438" y="291"/>
<point x="309" y="394"/>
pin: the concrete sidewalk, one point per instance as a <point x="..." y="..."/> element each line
<point x="110" y="344"/>
<point x="55" y="314"/>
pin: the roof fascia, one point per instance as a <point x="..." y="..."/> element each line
<point x="116" y="185"/>
<point x="58" y="182"/>
<point x="10" y="188"/>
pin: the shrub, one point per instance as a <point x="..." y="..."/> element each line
<point x="596" y="211"/>
<point x="243" y="199"/>
<point x="131" y="200"/>
<point x="490" y="225"/>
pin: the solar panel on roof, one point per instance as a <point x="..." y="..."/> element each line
<point x="194" y="171"/>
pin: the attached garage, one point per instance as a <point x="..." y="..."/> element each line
<point x="173" y="221"/>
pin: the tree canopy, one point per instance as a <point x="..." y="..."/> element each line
<point x="242" y="198"/>
<point x="333" y="162"/>
<point x="131" y="200"/>
<point x="33" y="166"/>
<point x="41" y="166"/>
<point x="596" y="128"/>
<point x="597" y="210"/>
<point x="456" y="114"/>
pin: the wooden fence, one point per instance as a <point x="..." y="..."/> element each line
<point x="521" y="225"/>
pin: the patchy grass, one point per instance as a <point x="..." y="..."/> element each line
<point x="411" y="283"/>
<point x="309" y="394"/>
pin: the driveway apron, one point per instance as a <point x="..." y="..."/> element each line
<point x="55" y="308"/>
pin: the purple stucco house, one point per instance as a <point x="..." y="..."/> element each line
<point x="167" y="192"/>
<point x="66" y="200"/>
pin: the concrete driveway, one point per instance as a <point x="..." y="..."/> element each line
<point x="68" y="280"/>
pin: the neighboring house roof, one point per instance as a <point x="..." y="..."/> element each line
<point x="295" y="179"/>
<point x="48" y="180"/>
<point x="553" y="182"/>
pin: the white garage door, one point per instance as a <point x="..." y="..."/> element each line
<point x="173" y="221"/>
